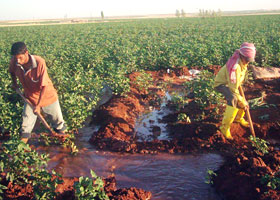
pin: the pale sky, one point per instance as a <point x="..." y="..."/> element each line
<point x="50" y="9"/>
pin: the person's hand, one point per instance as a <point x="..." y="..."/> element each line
<point x="246" y="107"/>
<point x="37" y="109"/>
<point x="243" y="104"/>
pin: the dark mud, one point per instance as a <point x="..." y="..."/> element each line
<point x="243" y="164"/>
<point x="241" y="175"/>
<point x="65" y="191"/>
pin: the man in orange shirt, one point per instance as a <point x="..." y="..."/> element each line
<point x="32" y="72"/>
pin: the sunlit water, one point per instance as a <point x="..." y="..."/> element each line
<point x="152" y="119"/>
<point x="167" y="176"/>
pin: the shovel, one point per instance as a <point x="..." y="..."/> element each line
<point x="248" y="114"/>
<point x="38" y="114"/>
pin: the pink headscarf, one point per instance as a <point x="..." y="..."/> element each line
<point x="248" y="50"/>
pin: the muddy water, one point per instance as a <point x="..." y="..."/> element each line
<point x="167" y="176"/>
<point x="149" y="126"/>
<point x="170" y="176"/>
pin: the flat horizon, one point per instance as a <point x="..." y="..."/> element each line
<point x="264" y="11"/>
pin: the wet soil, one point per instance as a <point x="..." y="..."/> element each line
<point x="243" y="165"/>
<point x="65" y="191"/>
<point x="119" y="115"/>
<point x="240" y="177"/>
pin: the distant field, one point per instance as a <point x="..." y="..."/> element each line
<point x="124" y="18"/>
<point x="82" y="57"/>
<point x="79" y="20"/>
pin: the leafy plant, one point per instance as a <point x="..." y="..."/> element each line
<point x="144" y="81"/>
<point x="95" y="54"/>
<point x="10" y="107"/>
<point x="183" y="117"/>
<point x="264" y="117"/>
<point x="45" y="139"/>
<point x="179" y="101"/>
<point x="260" y="144"/>
<point x="23" y="166"/>
<point x="204" y="94"/>
<point x="272" y="181"/>
<point x="2" y="188"/>
<point x="256" y="102"/>
<point x="210" y="175"/>
<point x="90" y="188"/>
<point x="70" y="144"/>
<point x="67" y="142"/>
<point x="259" y="102"/>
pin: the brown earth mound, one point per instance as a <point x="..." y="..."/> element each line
<point x="242" y="175"/>
<point x="119" y="115"/>
<point x="246" y="174"/>
<point x="66" y="191"/>
<point x="118" y="118"/>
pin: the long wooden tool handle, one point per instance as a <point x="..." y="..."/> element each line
<point x="248" y="113"/>
<point x="38" y="114"/>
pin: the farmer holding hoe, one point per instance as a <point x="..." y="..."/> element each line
<point x="31" y="70"/>
<point x="228" y="80"/>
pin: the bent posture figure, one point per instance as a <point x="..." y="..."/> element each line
<point x="228" y="80"/>
<point x="32" y="73"/>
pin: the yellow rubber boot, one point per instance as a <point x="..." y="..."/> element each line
<point x="240" y="118"/>
<point x="229" y="116"/>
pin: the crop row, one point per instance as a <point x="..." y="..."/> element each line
<point x="82" y="58"/>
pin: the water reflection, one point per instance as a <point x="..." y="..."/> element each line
<point x="149" y="125"/>
<point x="170" y="176"/>
<point x="167" y="176"/>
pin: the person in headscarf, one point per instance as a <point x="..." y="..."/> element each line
<point x="228" y="80"/>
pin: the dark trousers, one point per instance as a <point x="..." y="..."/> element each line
<point x="231" y="98"/>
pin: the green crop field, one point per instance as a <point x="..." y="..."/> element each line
<point x="83" y="57"/>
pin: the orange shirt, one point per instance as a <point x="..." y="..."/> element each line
<point x="34" y="79"/>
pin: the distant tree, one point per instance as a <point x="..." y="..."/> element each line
<point x="102" y="15"/>
<point x="219" y="12"/>
<point x="213" y="13"/>
<point x="183" y="14"/>
<point x="200" y="12"/>
<point x="177" y="13"/>
<point x="209" y="13"/>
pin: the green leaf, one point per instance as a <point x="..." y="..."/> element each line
<point x="93" y="174"/>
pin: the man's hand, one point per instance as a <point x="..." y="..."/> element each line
<point x="37" y="109"/>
